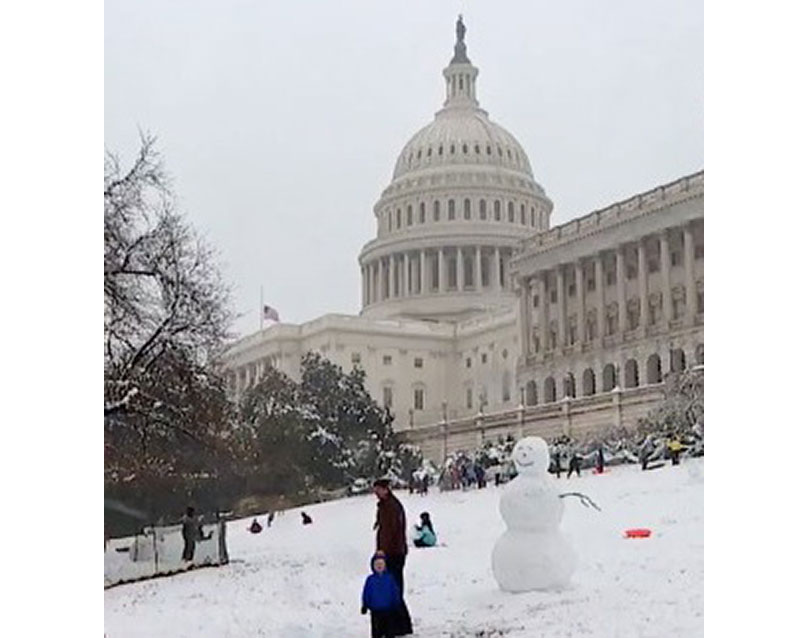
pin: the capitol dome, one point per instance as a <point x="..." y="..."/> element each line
<point x="461" y="198"/>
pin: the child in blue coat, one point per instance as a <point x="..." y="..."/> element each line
<point x="382" y="597"/>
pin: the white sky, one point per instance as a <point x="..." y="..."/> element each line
<point x="281" y="122"/>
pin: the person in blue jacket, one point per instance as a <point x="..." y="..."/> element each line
<point x="425" y="535"/>
<point x="382" y="597"/>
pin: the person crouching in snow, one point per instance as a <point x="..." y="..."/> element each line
<point x="425" y="535"/>
<point x="382" y="597"/>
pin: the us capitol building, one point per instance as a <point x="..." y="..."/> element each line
<point x="479" y="318"/>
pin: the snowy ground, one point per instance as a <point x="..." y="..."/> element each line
<point x="304" y="582"/>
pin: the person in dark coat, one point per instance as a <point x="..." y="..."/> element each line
<point x="270" y="518"/>
<point x="599" y="461"/>
<point x="382" y="597"/>
<point x="557" y="461"/>
<point x="191" y="533"/>
<point x="255" y="526"/>
<point x="307" y="520"/>
<point x="575" y="464"/>
<point x="391" y="538"/>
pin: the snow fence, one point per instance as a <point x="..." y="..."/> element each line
<point x="158" y="552"/>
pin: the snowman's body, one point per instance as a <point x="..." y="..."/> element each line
<point x="532" y="554"/>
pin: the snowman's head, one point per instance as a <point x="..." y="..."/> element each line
<point x="531" y="456"/>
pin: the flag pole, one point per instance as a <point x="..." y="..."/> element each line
<point x="261" y="311"/>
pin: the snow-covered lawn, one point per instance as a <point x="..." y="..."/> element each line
<point x="304" y="582"/>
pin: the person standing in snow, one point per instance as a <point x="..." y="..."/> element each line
<point x="382" y="597"/>
<point x="599" y="462"/>
<point x="674" y="449"/>
<point x="191" y="533"/>
<point x="575" y="464"/>
<point x="391" y="538"/>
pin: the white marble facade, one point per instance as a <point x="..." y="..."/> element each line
<point x="472" y="302"/>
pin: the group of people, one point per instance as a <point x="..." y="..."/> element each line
<point x="461" y="474"/>
<point x="383" y="592"/>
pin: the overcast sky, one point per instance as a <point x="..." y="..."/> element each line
<point x="281" y="122"/>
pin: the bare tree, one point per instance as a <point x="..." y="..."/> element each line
<point x="166" y="318"/>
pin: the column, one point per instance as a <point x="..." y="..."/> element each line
<point x="478" y="269"/>
<point x="544" y="284"/>
<point x="422" y="288"/>
<point x="579" y="287"/>
<point x="390" y="282"/>
<point x="406" y="275"/>
<point x="621" y="291"/>
<point x="364" y="286"/>
<point x="690" y="279"/>
<point x="537" y="318"/>
<point x="497" y="282"/>
<point x="664" y="263"/>
<point x="562" y="306"/>
<point x="642" y="278"/>
<point x="601" y="292"/>
<point x="441" y="271"/>
<point x="524" y="314"/>
<point x="459" y="269"/>
<point x="378" y="270"/>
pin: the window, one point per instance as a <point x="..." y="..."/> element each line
<point x="700" y="302"/>
<point x="676" y="258"/>
<point x="611" y="319"/>
<point x="356" y="358"/>
<point x="389" y="222"/>
<point x="699" y="251"/>
<point x="488" y="150"/>
<point x="440" y="149"/>
<point x="409" y="215"/>
<point x="418" y="399"/>
<point x="506" y="388"/>
<point x="592" y="327"/>
<point x="477" y="149"/>
<point x="468" y="398"/>
<point x="451" y="209"/>
<point x="419" y="362"/>
<point x="572" y="331"/>
<point x="553" y="336"/>
<point x="387" y="360"/>
<point x="510" y="212"/>
<point x="633" y="314"/>
<point x="468" y="362"/>
<point x="452" y="149"/>
<point x="505" y="354"/>
<point x="497" y="211"/>
<point x="436" y="210"/>
<point x="522" y="213"/>
<point x="532" y="216"/>
<point x="553" y="296"/>
<point x="387" y="396"/>
<point x="422" y="215"/>
<point x="631" y="271"/>
<point x="535" y="301"/>
<point x="483" y="213"/>
<point x="571" y="289"/>
<point x="465" y="148"/>
<point x="398" y="218"/>
<point x="611" y="277"/>
<point x="653" y="264"/>
<point x="484" y="358"/>
<point x="590" y="284"/>
<point x="467" y="209"/>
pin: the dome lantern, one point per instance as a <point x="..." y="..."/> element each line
<point x="461" y="74"/>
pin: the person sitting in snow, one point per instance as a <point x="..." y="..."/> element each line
<point x="255" y="526"/>
<point x="307" y="520"/>
<point x="382" y="597"/>
<point x="425" y="533"/>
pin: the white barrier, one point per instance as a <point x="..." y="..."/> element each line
<point x="158" y="551"/>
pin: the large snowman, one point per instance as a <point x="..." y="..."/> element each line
<point x="532" y="554"/>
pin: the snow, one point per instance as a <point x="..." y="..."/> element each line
<point x="292" y="581"/>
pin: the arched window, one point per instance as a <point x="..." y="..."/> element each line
<point x="488" y="150"/>
<point x="532" y="216"/>
<point x="409" y="215"/>
<point x="429" y="152"/>
<point x="483" y="213"/>
<point x="632" y="374"/>
<point x="522" y="214"/>
<point x="422" y="213"/>
<point x="465" y="149"/>
<point x="589" y="382"/>
<point x="677" y="360"/>
<point x="452" y="149"/>
<point x="418" y="393"/>
<point x="531" y="397"/>
<point x="700" y="354"/>
<point x="653" y="369"/>
<point x="451" y="209"/>
<point x="549" y="390"/>
<point x="440" y="149"/>
<point x="477" y="149"/>
<point x="398" y="218"/>
<point x="497" y="211"/>
<point x="506" y="387"/>
<point x="466" y="209"/>
<point x="609" y="377"/>
<point x="436" y="210"/>
<point x="569" y="385"/>
<point x="510" y="212"/>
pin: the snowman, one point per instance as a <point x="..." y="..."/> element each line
<point x="532" y="554"/>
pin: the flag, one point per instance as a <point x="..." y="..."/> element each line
<point x="270" y="313"/>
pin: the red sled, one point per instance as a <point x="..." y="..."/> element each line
<point x="637" y="533"/>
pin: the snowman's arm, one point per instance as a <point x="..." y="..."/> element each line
<point x="584" y="499"/>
